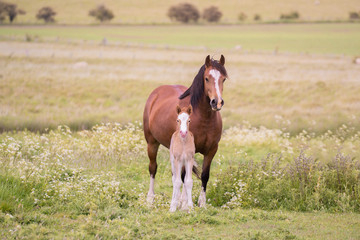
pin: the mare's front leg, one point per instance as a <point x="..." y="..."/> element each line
<point x="176" y="180"/>
<point x="152" y="149"/>
<point x="205" y="175"/>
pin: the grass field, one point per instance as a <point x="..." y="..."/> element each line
<point x="288" y="162"/>
<point x="92" y="184"/>
<point x="138" y="11"/>
<point x="298" y="38"/>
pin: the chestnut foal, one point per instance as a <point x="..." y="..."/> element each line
<point x="182" y="151"/>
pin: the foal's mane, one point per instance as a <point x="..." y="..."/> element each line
<point x="196" y="90"/>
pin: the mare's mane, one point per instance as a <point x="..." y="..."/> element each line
<point x="196" y="90"/>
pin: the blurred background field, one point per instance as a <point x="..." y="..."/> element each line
<point x="292" y="77"/>
<point x="296" y="38"/>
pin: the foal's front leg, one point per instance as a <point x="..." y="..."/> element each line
<point x="188" y="183"/>
<point x="176" y="180"/>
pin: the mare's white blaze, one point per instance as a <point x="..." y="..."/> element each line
<point x="216" y="75"/>
<point x="183" y="117"/>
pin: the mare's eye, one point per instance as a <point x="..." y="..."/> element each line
<point x="206" y="79"/>
<point x="177" y="120"/>
<point x="189" y="121"/>
<point x="224" y="79"/>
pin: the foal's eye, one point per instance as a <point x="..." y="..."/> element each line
<point x="206" y="79"/>
<point x="177" y="120"/>
<point x="189" y="121"/>
<point x="224" y="79"/>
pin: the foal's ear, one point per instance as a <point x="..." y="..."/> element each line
<point x="207" y="61"/>
<point x="222" y="60"/>
<point x="178" y="109"/>
<point x="189" y="109"/>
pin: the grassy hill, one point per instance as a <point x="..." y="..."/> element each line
<point x="139" y="11"/>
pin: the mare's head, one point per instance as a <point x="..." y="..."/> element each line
<point x="209" y="83"/>
<point x="214" y="78"/>
<point x="183" y="119"/>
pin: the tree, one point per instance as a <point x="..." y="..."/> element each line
<point x="47" y="14"/>
<point x="212" y="14"/>
<point x="9" y="10"/>
<point x="257" y="17"/>
<point x="184" y="12"/>
<point x="101" y="13"/>
<point x="242" y="16"/>
<point x="354" y="16"/>
<point x="290" y="16"/>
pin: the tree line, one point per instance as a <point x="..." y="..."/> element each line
<point x="182" y="12"/>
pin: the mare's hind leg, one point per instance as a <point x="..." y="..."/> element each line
<point x="152" y="149"/>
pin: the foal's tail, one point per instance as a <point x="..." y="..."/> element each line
<point x="196" y="170"/>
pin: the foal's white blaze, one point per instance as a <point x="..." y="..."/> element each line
<point x="183" y="117"/>
<point x="216" y="75"/>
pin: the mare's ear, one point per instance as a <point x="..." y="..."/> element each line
<point x="189" y="109"/>
<point x="222" y="60"/>
<point x="178" y="109"/>
<point x="207" y="61"/>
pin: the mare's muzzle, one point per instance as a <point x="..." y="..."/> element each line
<point x="216" y="105"/>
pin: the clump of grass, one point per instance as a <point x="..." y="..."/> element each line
<point x="54" y="169"/>
<point x="303" y="184"/>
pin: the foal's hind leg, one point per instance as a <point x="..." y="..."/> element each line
<point x="183" y="197"/>
<point x="152" y="153"/>
<point x="188" y="183"/>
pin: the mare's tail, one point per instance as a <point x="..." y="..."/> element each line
<point x="196" y="170"/>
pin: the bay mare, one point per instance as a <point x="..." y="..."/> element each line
<point x="205" y="96"/>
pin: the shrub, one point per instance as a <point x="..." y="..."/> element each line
<point x="184" y="12"/>
<point x="242" y="17"/>
<point x="290" y="16"/>
<point x="257" y="17"/>
<point x="354" y="16"/>
<point x="47" y="14"/>
<point x="9" y="10"/>
<point x="101" y="13"/>
<point x="212" y="14"/>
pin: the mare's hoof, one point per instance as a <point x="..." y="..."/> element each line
<point x="202" y="200"/>
<point x="150" y="198"/>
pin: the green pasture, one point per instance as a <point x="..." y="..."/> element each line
<point x="296" y="38"/>
<point x="263" y="185"/>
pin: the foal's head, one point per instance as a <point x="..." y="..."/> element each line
<point x="183" y="119"/>
<point x="214" y="77"/>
